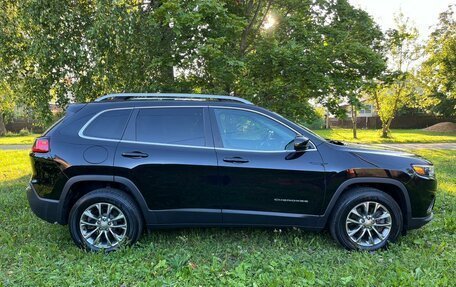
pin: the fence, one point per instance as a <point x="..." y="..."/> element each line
<point x="399" y="122"/>
<point x="17" y="125"/>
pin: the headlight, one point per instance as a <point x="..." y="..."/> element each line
<point x="426" y="171"/>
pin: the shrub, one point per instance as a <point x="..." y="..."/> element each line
<point x="9" y="134"/>
<point x="24" y="132"/>
<point x="317" y="124"/>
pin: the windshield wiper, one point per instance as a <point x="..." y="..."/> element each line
<point x="336" y="142"/>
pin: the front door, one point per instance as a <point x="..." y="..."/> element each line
<point x="168" y="153"/>
<point x="264" y="180"/>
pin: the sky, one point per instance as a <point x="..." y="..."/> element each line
<point x="423" y="13"/>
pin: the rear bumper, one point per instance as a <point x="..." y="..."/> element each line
<point x="417" y="222"/>
<point x="46" y="209"/>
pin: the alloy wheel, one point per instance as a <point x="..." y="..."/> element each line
<point x="103" y="225"/>
<point x="368" y="223"/>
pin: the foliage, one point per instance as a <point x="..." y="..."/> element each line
<point x="357" y="58"/>
<point x="318" y="122"/>
<point x="438" y="72"/>
<point x="7" y="105"/>
<point x="78" y="50"/>
<point x="389" y="96"/>
<point x="24" y="132"/>
<point x="35" y="253"/>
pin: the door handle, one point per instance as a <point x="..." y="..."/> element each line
<point x="135" y="154"/>
<point x="235" y="159"/>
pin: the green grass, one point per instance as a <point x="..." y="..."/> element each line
<point x="35" y="253"/>
<point x="17" y="139"/>
<point x="397" y="136"/>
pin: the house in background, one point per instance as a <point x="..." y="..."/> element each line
<point x="366" y="117"/>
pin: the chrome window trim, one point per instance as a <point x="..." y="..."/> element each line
<point x="81" y="131"/>
<point x="314" y="147"/>
<point x="165" y="144"/>
<point x="264" y="151"/>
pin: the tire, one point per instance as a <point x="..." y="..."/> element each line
<point x="349" y="214"/>
<point x="119" y="224"/>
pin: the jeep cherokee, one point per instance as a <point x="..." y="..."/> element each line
<point x="111" y="167"/>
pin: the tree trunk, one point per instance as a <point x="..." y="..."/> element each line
<point x="353" y="116"/>
<point x="2" y="125"/>
<point x="327" y="121"/>
<point x="385" y="127"/>
<point x="384" y="131"/>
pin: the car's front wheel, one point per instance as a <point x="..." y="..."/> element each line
<point x="105" y="219"/>
<point x="366" y="219"/>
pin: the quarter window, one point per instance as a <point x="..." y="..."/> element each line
<point x="179" y="126"/>
<point x="251" y="131"/>
<point x="108" y="125"/>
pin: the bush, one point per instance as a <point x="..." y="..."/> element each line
<point x="317" y="124"/>
<point x="24" y="132"/>
<point x="9" y="134"/>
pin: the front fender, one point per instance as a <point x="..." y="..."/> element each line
<point x="370" y="180"/>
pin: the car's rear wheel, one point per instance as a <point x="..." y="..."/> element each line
<point x="105" y="219"/>
<point x="366" y="219"/>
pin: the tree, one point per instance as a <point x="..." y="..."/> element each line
<point x="388" y="96"/>
<point x="7" y="105"/>
<point x="356" y="56"/>
<point x="325" y="50"/>
<point x="438" y="71"/>
<point x="66" y="50"/>
<point x="10" y="41"/>
<point x="397" y="86"/>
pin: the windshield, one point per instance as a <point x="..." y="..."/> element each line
<point x="312" y="133"/>
<point x="336" y="142"/>
<point x="304" y="128"/>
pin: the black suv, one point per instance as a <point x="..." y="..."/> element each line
<point x="128" y="161"/>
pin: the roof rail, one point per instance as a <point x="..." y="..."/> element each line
<point x="160" y="96"/>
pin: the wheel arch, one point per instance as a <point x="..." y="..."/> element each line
<point x="78" y="186"/>
<point x="392" y="187"/>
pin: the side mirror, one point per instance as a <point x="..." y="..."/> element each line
<point x="300" y="143"/>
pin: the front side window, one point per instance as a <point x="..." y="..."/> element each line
<point x="246" y="130"/>
<point x="108" y="125"/>
<point x="178" y="126"/>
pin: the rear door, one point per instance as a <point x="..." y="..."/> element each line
<point x="264" y="181"/>
<point x="168" y="153"/>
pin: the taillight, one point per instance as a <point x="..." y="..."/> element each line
<point x="41" y="145"/>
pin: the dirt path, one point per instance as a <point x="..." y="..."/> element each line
<point x="15" y="146"/>
<point x="447" y="146"/>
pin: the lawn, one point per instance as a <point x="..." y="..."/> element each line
<point x="17" y="139"/>
<point x="397" y="136"/>
<point x="35" y="253"/>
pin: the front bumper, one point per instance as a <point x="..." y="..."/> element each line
<point x="417" y="222"/>
<point x="46" y="209"/>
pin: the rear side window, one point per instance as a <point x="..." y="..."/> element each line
<point x="54" y="125"/>
<point x="179" y="126"/>
<point x="108" y="125"/>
